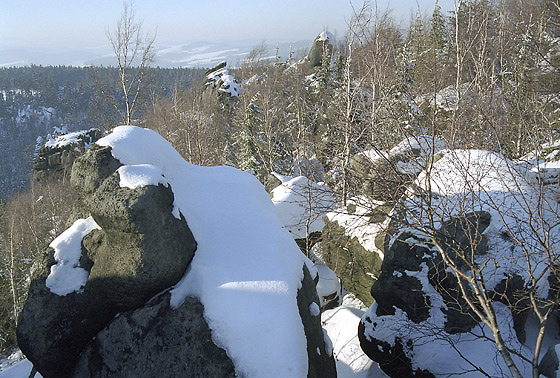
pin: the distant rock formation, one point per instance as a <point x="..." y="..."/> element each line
<point x="323" y="44"/>
<point x="220" y="84"/>
<point x="58" y="154"/>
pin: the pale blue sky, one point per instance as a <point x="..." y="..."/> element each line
<point x="82" y="23"/>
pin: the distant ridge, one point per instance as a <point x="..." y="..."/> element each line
<point x="189" y="54"/>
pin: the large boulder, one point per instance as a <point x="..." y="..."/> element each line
<point x="120" y="294"/>
<point x="137" y="250"/>
<point x="457" y="221"/>
<point x="118" y="351"/>
<point x="353" y="245"/>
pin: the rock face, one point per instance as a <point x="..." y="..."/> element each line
<point x="320" y="359"/>
<point x="322" y="45"/>
<point x="387" y="174"/>
<point x="140" y="250"/>
<point x="117" y="351"/>
<point x="353" y="245"/>
<point x="549" y="365"/>
<point x="400" y="288"/>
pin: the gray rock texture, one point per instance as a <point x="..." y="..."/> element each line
<point x="549" y="365"/>
<point x="140" y="250"/>
<point x="319" y="48"/>
<point x="156" y="341"/>
<point x="320" y="363"/>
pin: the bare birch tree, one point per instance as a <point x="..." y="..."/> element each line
<point x="134" y="51"/>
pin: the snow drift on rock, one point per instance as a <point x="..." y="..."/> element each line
<point x="66" y="276"/>
<point x="301" y="205"/>
<point x="248" y="286"/>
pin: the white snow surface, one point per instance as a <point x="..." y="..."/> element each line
<point x="300" y="201"/>
<point x="326" y="36"/>
<point x="341" y="325"/>
<point x="135" y="176"/>
<point x="66" y="139"/>
<point x="66" y="276"/>
<point x="314" y="309"/>
<point x="247" y="284"/>
<point x="19" y="370"/>
<point x="464" y="181"/>
<point x="328" y="283"/>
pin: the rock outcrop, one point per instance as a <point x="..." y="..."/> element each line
<point x="220" y="85"/>
<point x="322" y="45"/>
<point x="58" y="154"/>
<point x="420" y="324"/>
<point x="140" y="250"/>
<point x="353" y="244"/>
<point x="387" y="174"/>
<point x="103" y="298"/>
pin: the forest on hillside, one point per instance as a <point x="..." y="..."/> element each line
<point x="39" y="102"/>
<point x="484" y="77"/>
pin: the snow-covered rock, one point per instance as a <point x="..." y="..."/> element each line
<point x="219" y="79"/>
<point x="386" y="174"/>
<point x="125" y="247"/>
<point x="301" y="205"/>
<point x="58" y="153"/>
<point x="329" y="288"/>
<point x="323" y="44"/>
<point x="352" y="244"/>
<point x="480" y="209"/>
<point x="254" y="284"/>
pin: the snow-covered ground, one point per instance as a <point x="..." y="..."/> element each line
<point x="341" y="324"/>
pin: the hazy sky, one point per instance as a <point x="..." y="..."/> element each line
<point x="76" y="23"/>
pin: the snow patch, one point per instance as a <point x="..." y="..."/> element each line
<point x="341" y="325"/>
<point x="135" y="176"/>
<point x="301" y="205"/>
<point x="66" y="276"/>
<point x="314" y="309"/>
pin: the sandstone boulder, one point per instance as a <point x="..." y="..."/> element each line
<point x="118" y="351"/>
<point x="140" y="250"/>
